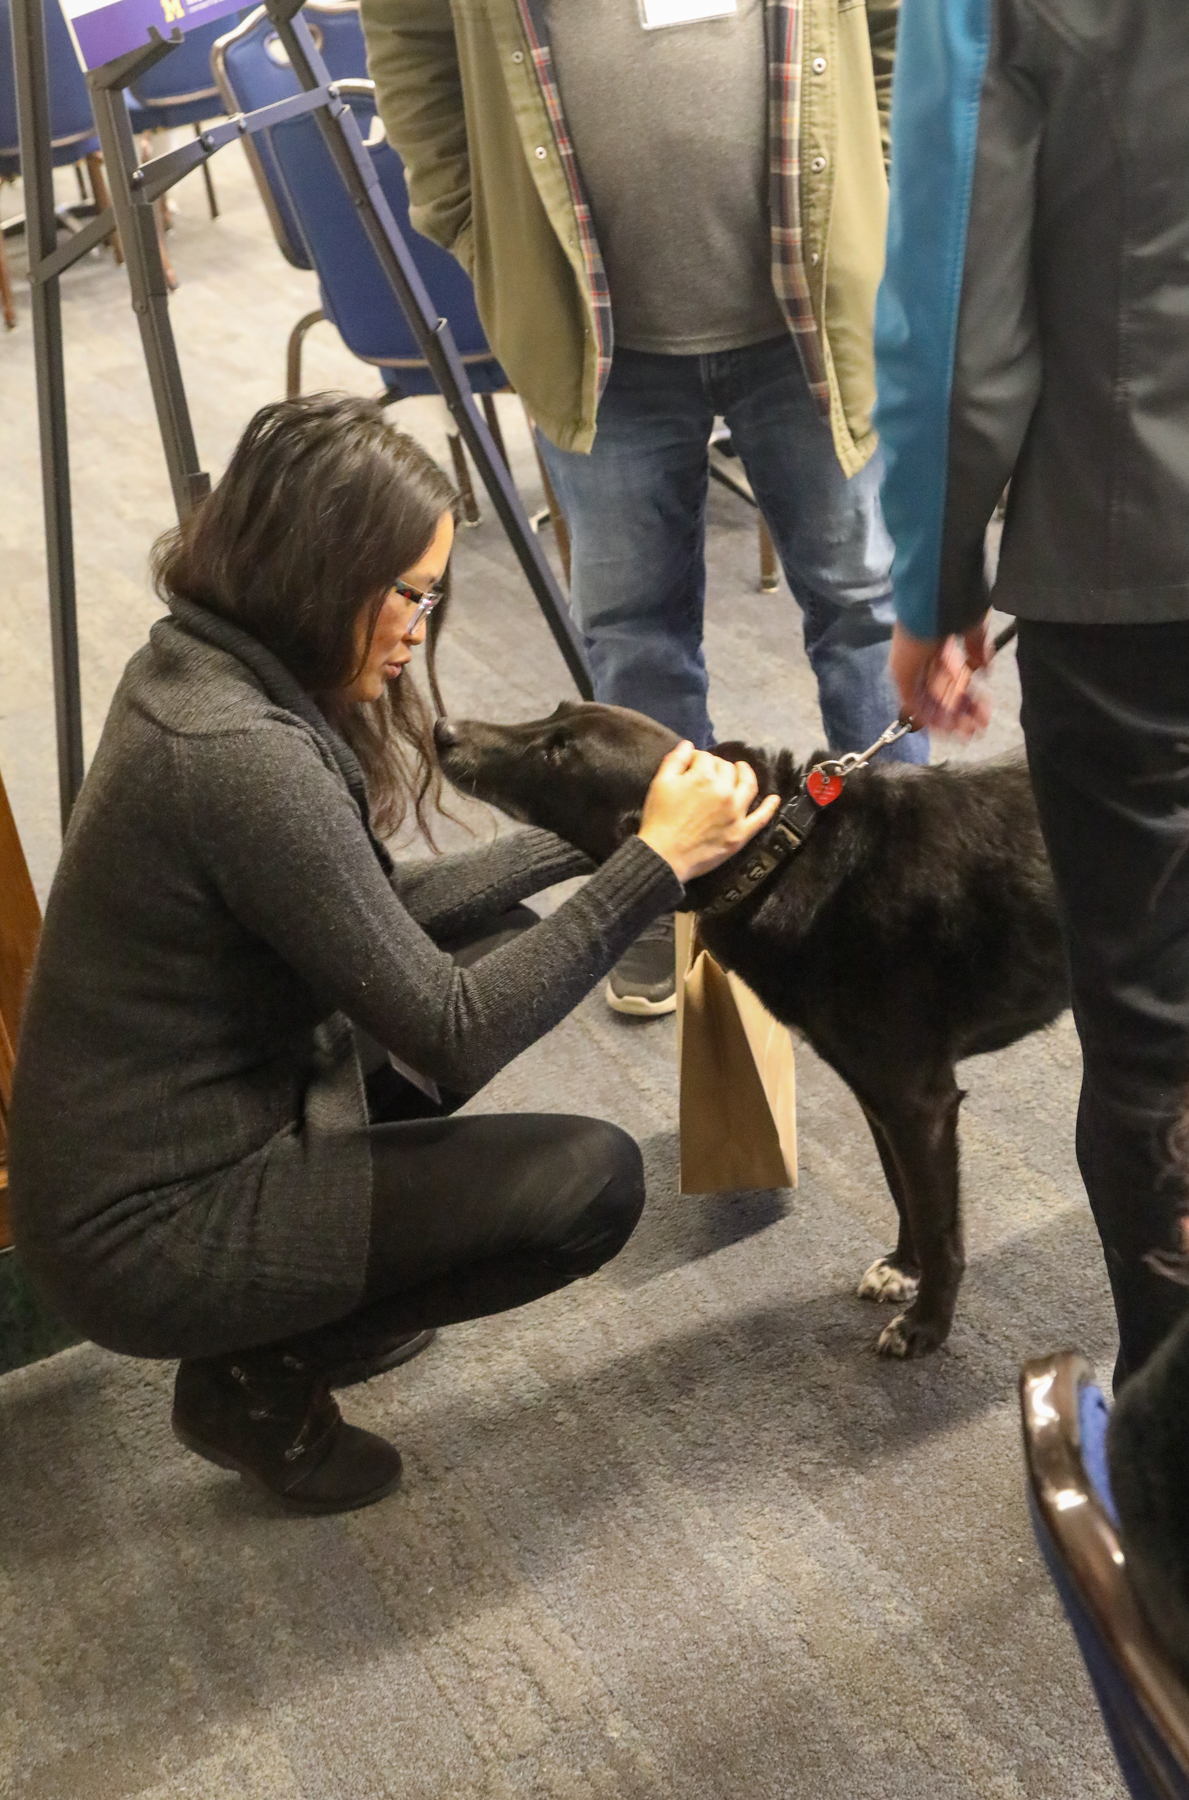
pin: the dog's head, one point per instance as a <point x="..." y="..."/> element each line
<point x="583" y="772"/>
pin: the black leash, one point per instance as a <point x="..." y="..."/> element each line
<point x="798" y="816"/>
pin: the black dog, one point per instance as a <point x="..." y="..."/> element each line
<point x="915" y="926"/>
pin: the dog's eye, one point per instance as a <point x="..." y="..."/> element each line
<point x="556" y="744"/>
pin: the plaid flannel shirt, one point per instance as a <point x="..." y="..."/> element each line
<point x="784" y="20"/>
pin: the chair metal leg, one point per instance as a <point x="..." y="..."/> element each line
<point x="293" y="354"/>
<point x="161" y="216"/>
<point x="171" y="280"/>
<point x="7" y="299"/>
<point x="729" y="473"/>
<point x="103" y="198"/>
<point x="206" y="176"/>
<point x="769" y="567"/>
<point x="462" y="474"/>
<point x="7" y="296"/>
<point x="82" y="186"/>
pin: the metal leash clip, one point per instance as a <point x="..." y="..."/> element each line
<point x="794" y="822"/>
<point x="842" y="766"/>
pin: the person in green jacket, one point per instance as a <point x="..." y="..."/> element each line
<point x="672" y="211"/>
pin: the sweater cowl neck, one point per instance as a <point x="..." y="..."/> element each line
<point x="283" y="687"/>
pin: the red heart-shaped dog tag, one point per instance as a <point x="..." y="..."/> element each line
<point x="823" y="788"/>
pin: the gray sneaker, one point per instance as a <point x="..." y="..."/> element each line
<point x="644" y="980"/>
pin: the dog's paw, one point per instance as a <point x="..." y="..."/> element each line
<point x="907" y="1336"/>
<point x="885" y="1282"/>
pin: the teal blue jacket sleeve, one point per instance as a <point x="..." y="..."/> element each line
<point x="957" y="346"/>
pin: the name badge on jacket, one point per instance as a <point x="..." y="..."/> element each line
<point x="655" y="13"/>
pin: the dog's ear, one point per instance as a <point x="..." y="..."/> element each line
<point x="626" y="826"/>
<point x="760" y="760"/>
<point x="787" y="774"/>
<point x="734" y="750"/>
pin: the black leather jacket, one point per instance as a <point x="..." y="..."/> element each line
<point x="1034" y="317"/>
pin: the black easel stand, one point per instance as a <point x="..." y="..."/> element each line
<point x="45" y="266"/>
<point x="134" y="188"/>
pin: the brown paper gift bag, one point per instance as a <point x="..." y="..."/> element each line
<point x="738" y="1084"/>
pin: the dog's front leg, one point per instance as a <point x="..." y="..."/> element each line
<point x="892" y="1280"/>
<point x="922" y="1133"/>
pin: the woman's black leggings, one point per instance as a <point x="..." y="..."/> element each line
<point x="474" y="1215"/>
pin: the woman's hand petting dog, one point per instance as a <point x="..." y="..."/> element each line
<point x="696" y="811"/>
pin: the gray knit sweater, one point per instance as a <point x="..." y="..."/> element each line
<point x="190" y="1168"/>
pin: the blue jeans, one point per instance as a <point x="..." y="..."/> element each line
<point x="636" y="509"/>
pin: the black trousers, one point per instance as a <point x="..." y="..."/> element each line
<point x="1106" y="723"/>
<point x="472" y="1216"/>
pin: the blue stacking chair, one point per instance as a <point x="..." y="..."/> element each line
<point x="1142" y="1696"/>
<point x="313" y="220"/>
<point x="317" y="227"/>
<point x="251" y="69"/>
<point x="356" y="295"/>
<point x="72" y="124"/>
<point x="181" y="90"/>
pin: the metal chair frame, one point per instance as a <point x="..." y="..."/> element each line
<point x="134" y="188"/>
<point x="1087" y="1545"/>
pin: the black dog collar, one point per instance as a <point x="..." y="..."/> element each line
<point x="794" y="822"/>
<point x="784" y="837"/>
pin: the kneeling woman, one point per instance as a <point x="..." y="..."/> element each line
<point x="195" y="1168"/>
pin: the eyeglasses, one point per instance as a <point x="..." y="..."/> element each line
<point x="423" y="603"/>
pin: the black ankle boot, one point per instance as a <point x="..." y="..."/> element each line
<point x="270" y="1416"/>
<point x="357" y="1354"/>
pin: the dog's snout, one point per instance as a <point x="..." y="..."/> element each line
<point x="444" y="734"/>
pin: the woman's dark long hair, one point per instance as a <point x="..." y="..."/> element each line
<point x="322" y="505"/>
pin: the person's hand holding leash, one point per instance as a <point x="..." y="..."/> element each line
<point x="937" y="679"/>
<point x="696" y="811"/>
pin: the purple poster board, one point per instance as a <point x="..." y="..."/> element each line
<point x="103" y="29"/>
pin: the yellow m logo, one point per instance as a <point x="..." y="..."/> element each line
<point x="174" y="11"/>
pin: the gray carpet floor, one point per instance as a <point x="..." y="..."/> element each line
<point x="674" y="1532"/>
